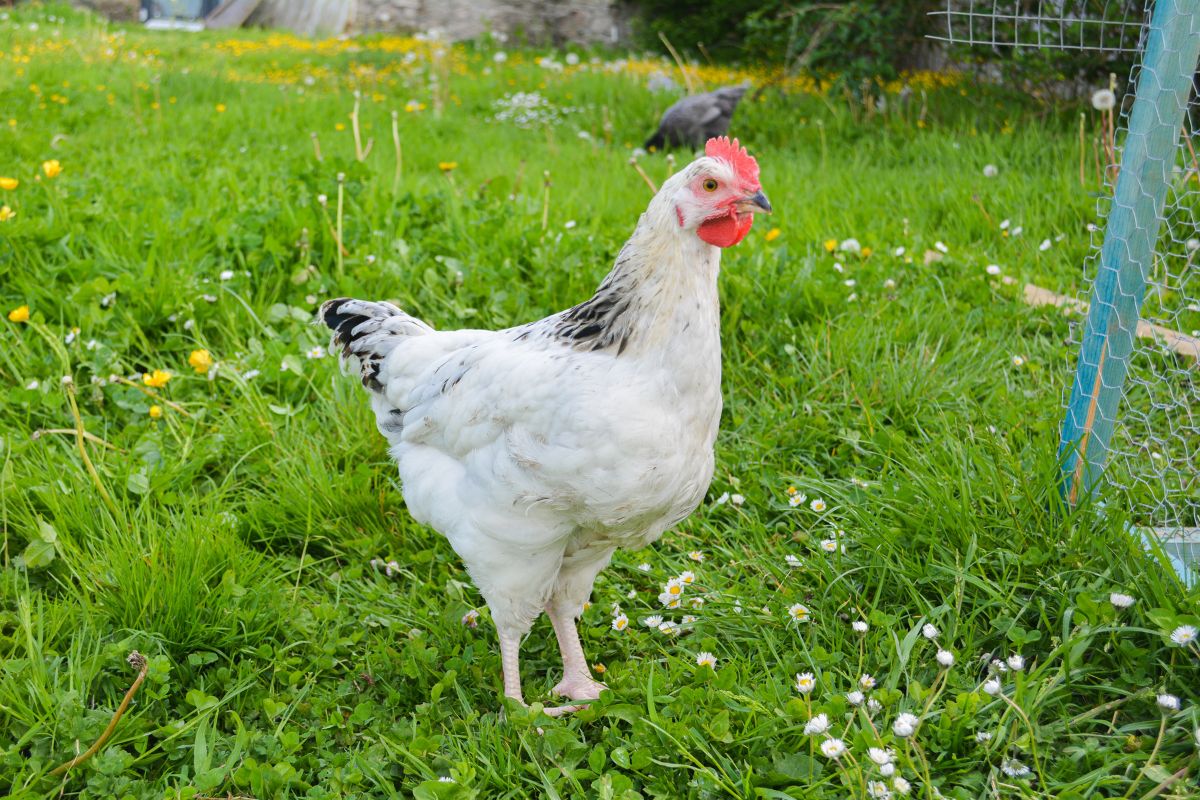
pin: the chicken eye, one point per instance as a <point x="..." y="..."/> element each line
<point x="710" y="185"/>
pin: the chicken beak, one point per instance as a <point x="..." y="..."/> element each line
<point x="754" y="203"/>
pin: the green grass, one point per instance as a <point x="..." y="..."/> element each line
<point x="236" y="553"/>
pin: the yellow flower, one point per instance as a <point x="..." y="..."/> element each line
<point x="155" y="411"/>
<point x="773" y="234"/>
<point x="220" y="108"/>
<point x="8" y="184"/>
<point x="20" y="313"/>
<point x="599" y="668"/>
<point x="6" y="213"/>
<point x="52" y="168"/>
<point x="830" y="245"/>
<point x="866" y="251"/>
<point x="447" y="166"/>
<point x="157" y="379"/>
<point x="339" y="126"/>
<point x="200" y="360"/>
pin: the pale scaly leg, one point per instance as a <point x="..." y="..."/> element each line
<point x="574" y="585"/>
<point x="577" y="682"/>
<point x="510" y="647"/>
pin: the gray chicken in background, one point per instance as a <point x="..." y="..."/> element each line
<point x="695" y="119"/>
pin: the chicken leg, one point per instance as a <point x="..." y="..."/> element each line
<point x="577" y="682"/>
<point x="510" y="649"/>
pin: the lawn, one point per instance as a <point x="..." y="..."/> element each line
<point x="884" y="518"/>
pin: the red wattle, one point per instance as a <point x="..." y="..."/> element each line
<point x="725" y="231"/>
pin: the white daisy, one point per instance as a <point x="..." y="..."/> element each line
<point x="879" y="755"/>
<point x="866" y="682"/>
<point x="855" y="698"/>
<point x="1013" y="768"/>
<point x="993" y="269"/>
<point x="620" y="622"/>
<point x="315" y="352"/>
<point x="817" y="725"/>
<point x="901" y="786"/>
<point x="1018" y="361"/>
<point x="945" y="658"/>
<point x="879" y="790"/>
<point x="1045" y="245"/>
<point x="859" y="626"/>
<point x="696" y="602"/>
<point x="829" y="545"/>
<point x="644" y="567"/>
<point x="983" y="736"/>
<point x="992" y="686"/>
<point x="669" y="628"/>
<point x="874" y="706"/>
<point x="669" y="600"/>
<point x="687" y="577"/>
<point x="471" y="619"/>
<point x="793" y="561"/>
<point x="1184" y="634"/>
<point x="696" y="556"/>
<point x="653" y="621"/>
<point x="706" y="659"/>
<point x="850" y="246"/>
<point x="928" y="631"/>
<point x="1168" y="702"/>
<point x="1016" y="662"/>
<point x="737" y="499"/>
<point x="941" y="247"/>
<point x="887" y="770"/>
<point x="817" y="505"/>
<point x="226" y="275"/>
<point x="805" y="682"/>
<point x="833" y="748"/>
<point x="798" y="612"/>
<point x="990" y="171"/>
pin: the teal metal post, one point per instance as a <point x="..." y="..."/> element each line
<point x="1163" y="86"/>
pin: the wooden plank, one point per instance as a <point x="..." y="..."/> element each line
<point x="1180" y="343"/>
<point x="1163" y="87"/>
<point x="231" y="14"/>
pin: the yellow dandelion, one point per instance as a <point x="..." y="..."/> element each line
<point x="155" y="412"/>
<point x="830" y="245"/>
<point x="6" y="213"/>
<point x="8" y="184"/>
<point x="220" y="108"/>
<point x="200" y="360"/>
<point x="157" y="379"/>
<point x="773" y="234"/>
<point x="52" y="168"/>
<point x="20" y="313"/>
<point x="599" y="668"/>
<point x="339" y="126"/>
<point x="447" y="166"/>
<point x="866" y="251"/>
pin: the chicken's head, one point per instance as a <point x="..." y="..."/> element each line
<point x="720" y="194"/>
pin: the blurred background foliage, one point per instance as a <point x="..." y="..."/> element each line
<point x="878" y="40"/>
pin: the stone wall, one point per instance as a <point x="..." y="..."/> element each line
<point x="544" y="21"/>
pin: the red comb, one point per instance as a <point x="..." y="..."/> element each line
<point x="743" y="163"/>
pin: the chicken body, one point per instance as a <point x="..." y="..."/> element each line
<point x="693" y="120"/>
<point x="538" y="450"/>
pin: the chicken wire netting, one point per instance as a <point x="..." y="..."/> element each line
<point x="1154" y="452"/>
<point x="1132" y="417"/>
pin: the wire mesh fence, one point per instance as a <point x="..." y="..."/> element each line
<point x="1133" y="414"/>
<point x="1113" y="26"/>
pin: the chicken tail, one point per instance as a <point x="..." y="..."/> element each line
<point x="366" y="332"/>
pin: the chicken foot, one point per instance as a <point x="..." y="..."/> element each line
<point x="510" y="648"/>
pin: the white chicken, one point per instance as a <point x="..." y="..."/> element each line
<point x="538" y="450"/>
